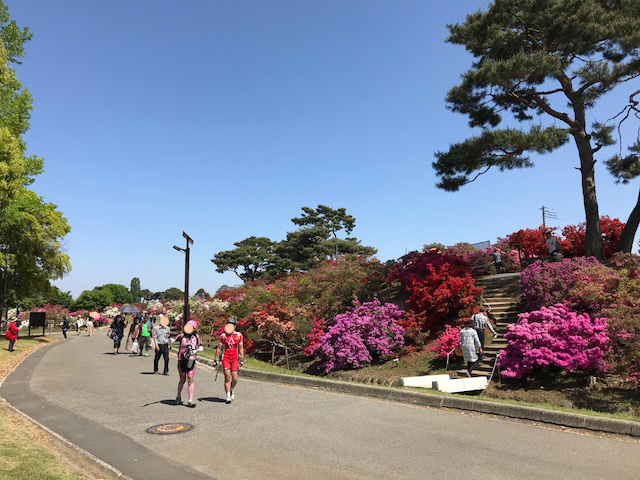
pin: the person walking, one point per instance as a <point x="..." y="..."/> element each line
<point x="89" y="325"/>
<point x="79" y="324"/>
<point x="497" y="260"/>
<point x="116" y="333"/>
<point x="232" y="345"/>
<point x="12" y="333"/>
<point x="481" y="322"/>
<point x="161" y="335"/>
<point x="145" y="337"/>
<point x="469" y="342"/>
<point x="189" y="344"/>
<point x="132" y="337"/>
<point x="65" y="326"/>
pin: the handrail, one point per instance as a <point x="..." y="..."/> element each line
<point x="448" y="356"/>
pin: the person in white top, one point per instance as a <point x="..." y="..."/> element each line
<point x="469" y="342"/>
<point x="89" y="326"/>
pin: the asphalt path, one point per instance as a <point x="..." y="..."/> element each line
<point x="104" y="403"/>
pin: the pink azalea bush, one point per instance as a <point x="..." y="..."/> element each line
<point x="555" y="337"/>
<point x="446" y="342"/>
<point x="582" y="283"/>
<point x="367" y="332"/>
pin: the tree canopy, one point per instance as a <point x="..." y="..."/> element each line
<point x="316" y="240"/>
<point x="540" y="60"/>
<point x="31" y="230"/>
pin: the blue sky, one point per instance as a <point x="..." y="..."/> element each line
<point x="224" y="118"/>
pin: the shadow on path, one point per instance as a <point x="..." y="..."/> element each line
<point x="212" y="399"/>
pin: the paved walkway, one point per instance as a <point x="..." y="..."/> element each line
<point x="104" y="403"/>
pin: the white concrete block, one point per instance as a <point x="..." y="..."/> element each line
<point x="424" y="381"/>
<point x="461" y="384"/>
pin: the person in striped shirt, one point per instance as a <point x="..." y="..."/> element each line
<point x="481" y="322"/>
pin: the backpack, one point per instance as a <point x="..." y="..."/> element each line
<point x="188" y="361"/>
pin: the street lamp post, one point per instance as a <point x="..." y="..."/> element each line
<point x="187" y="251"/>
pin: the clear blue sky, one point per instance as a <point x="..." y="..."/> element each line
<point x="224" y="118"/>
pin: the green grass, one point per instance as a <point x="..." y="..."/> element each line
<point x="22" y="346"/>
<point x="255" y="364"/>
<point x="545" y="406"/>
<point x="21" y="458"/>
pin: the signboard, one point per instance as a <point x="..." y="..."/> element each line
<point x="37" y="319"/>
<point x="481" y="245"/>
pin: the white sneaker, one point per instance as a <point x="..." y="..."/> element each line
<point x="233" y="397"/>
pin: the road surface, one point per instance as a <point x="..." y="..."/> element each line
<point x="104" y="403"/>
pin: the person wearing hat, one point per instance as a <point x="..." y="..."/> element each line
<point x="189" y="344"/>
<point x="232" y="345"/>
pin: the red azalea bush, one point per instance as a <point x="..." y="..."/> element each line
<point x="366" y="333"/>
<point x="441" y="288"/>
<point x="315" y="337"/>
<point x="575" y="237"/>
<point x="555" y="337"/>
<point x="481" y="260"/>
<point x="447" y="341"/>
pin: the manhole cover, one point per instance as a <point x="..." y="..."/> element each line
<point x="170" y="428"/>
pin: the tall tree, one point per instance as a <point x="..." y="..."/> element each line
<point x="119" y="293"/>
<point x="552" y="59"/>
<point x="31" y="230"/>
<point x="625" y="169"/>
<point x="251" y="258"/>
<point x="135" y="290"/>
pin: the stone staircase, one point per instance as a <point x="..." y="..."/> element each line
<point x="502" y="295"/>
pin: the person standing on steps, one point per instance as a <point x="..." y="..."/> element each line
<point x="497" y="260"/>
<point x="65" y="326"/>
<point x="232" y="345"/>
<point x="161" y="334"/>
<point x="480" y="323"/>
<point x="12" y="334"/>
<point x="189" y="344"/>
<point x="469" y="342"/>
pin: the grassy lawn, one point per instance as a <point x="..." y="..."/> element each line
<point x="24" y="449"/>
<point x="23" y="457"/>
<point x="255" y="364"/>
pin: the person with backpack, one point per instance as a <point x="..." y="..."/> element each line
<point x="189" y="344"/>
<point x="145" y="337"/>
<point x="116" y="333"/>
<point x="232" y="344"/>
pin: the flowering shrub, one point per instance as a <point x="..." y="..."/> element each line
<point x="611" y="232"/>
<point x="481" y="261"/>
<point x="447" y="341"/>
<point x="582" y="283"/>
<point x="555" y="337"/>
<point x="315" y="337"/>
<point x="441" y="288"/>
<point x="367" y="332"/>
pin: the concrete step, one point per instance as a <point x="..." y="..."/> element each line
<point x="496" y="303"/>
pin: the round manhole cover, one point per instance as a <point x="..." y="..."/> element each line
<point x="170" y="428"/>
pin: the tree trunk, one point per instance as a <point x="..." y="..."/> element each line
<point x="593" y="237"/>
<point x="630" y="229"/>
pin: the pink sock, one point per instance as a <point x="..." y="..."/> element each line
<point x="191" y="388"/>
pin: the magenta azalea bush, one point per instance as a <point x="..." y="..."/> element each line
<point x="446" y="342"/>
<point x="555" y="337"/>
<point x="367" y="332"/>
<point x="582" y="283"/>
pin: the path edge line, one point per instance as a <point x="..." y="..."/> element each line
<point x="554" y="417"/>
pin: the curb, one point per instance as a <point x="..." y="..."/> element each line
<point x="573" y="420"/>
<point x="105" y="467"/>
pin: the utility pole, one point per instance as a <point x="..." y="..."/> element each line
<point x="544" y="217"/>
